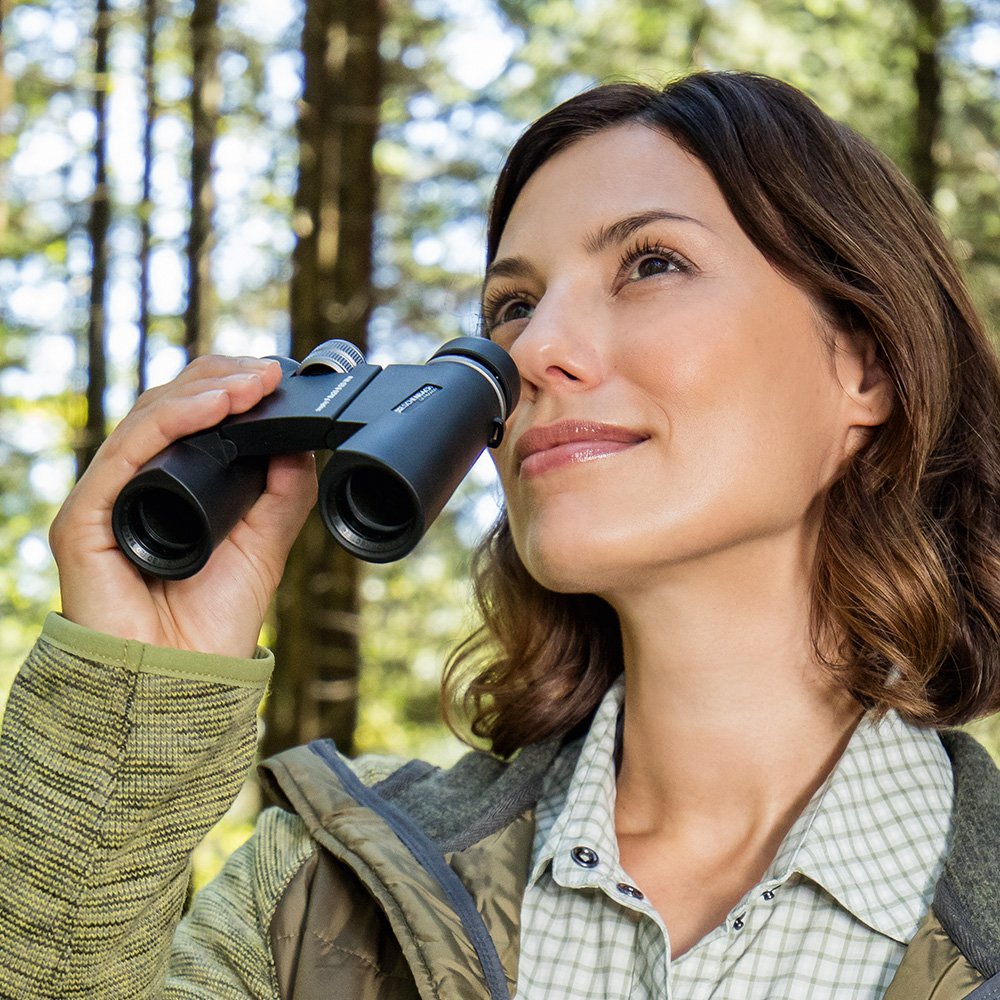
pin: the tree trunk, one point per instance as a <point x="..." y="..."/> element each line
<point x="6" y="100"/>
<point x="205" y="96"/>
<point x="700" y="20"/>
<point x="928" y="35"/>
<point x="315" y="690"/>
<point x="93" y="432"/>
<point x="149" y="15"/>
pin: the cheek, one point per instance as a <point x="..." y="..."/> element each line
<point x="749" y="394"/>
<point x="502" y="459"/>
<point x="755" y="347"/>
<point x="687" y="364"/>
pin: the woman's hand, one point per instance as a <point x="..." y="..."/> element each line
<point x="221" y="608"/>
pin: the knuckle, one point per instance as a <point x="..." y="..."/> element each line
<point x="202" y="361"/>
<point x="57" y="533"/>
<point x="147" y="397"/>
<point x="209" y="366"/>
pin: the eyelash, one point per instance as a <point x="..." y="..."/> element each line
<point x="495" y="300"/>
<point x="647" y="248"/>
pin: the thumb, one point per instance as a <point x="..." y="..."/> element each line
<point x="280" y="512"/>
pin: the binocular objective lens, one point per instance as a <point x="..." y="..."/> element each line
<point x="165" y="524"/>
<point x="376" y="502"/>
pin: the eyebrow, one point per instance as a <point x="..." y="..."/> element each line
<point x="511" y="267"/>
<point x="616" y="232"/>
<point x="594" y="243"/>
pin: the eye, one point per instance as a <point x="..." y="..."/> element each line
<point x="649" y="266"/>
<point x="518" y="309"/>
<point x="501" y="307"/>
<point x="647" y="260"/>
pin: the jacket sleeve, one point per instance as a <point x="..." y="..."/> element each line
<point x="115" y="760"/>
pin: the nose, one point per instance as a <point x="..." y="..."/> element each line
<point x="559" y="348"/>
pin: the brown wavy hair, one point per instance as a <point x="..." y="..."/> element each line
<point x="906" y="586"/>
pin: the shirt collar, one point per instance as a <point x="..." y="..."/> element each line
<point x="874" y="835"/>
<point x="583" y="806"/>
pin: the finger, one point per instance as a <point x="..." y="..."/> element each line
<point x="244" y="384"/>
<point x="243" y="380"/>
<point x="266" y="534"/>
<point x="143" y="434"/>
<point x="281" y="510"/>
<point x="188" y="408"/>
<point x="213" y="366"/>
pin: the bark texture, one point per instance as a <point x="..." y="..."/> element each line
<point x="206" y="91"/>
<point x="93" y="431"/>
<point x="149" y="15"/>
<point x="927" y="84"/>
<point x="315" y="690"/>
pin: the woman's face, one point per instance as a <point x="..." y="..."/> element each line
<point x="680" y="398"/>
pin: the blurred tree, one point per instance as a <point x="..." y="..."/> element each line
<point x="460" y="79"/>
<point x="94" y="428"/>
<point x="968" y="147"/>
<point x="6" y="99"/>
<point x="42" y="314"/>
<point x="205" y="98"/>
<point x="149" y="16"/>
<point x="928" y="33"/>
<point x="315" y="691"/>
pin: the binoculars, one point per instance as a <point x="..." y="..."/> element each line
<point x="402" y="438"/>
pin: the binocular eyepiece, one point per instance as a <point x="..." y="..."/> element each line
<point x="402" y="438"/>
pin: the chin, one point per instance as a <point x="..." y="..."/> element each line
<point x="568" y="565"/>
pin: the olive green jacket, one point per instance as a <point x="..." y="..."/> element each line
<point x="370" y="883"/>
<point x="415" y="927"/>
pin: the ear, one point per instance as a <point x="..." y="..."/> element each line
<point x="868" y="390"/>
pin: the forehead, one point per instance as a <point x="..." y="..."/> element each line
<point x="619" y="171"/>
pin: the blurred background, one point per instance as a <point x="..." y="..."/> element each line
<point x="257" y="176"/>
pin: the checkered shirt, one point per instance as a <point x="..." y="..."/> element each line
<point x="829" y="920"/>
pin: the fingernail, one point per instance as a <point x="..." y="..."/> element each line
<point x="258" y="363"/>
<point x="242" y="378"/>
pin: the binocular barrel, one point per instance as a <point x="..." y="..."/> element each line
<point x="174" y="512"/>
<point x="402" y="439"/>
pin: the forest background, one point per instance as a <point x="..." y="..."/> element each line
<point x="185" y="176"/>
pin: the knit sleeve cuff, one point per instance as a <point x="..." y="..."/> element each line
<point x="144" y="658"/>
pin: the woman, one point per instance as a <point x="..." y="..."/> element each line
<point x="748" y="566"/>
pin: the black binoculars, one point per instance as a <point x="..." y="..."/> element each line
<point x="402" y="438"/>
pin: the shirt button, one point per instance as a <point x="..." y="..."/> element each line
<point x="584" y="857"/>
<point x="768" y="894"/>
<point x="630" y="890"/>
<point x="738" y="922"/>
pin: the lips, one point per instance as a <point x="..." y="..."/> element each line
<point x="570" y="442"/>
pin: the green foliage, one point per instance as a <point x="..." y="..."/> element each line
<point x="462" y="79"/>
<point x="415" y="611"/>
<point x="987" y="731"/>
<point x="38" y="145"/>
<point x="443" y="138"/>
<point x="33" y="474"/>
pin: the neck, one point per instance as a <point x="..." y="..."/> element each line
<point x="731" y="723"/>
